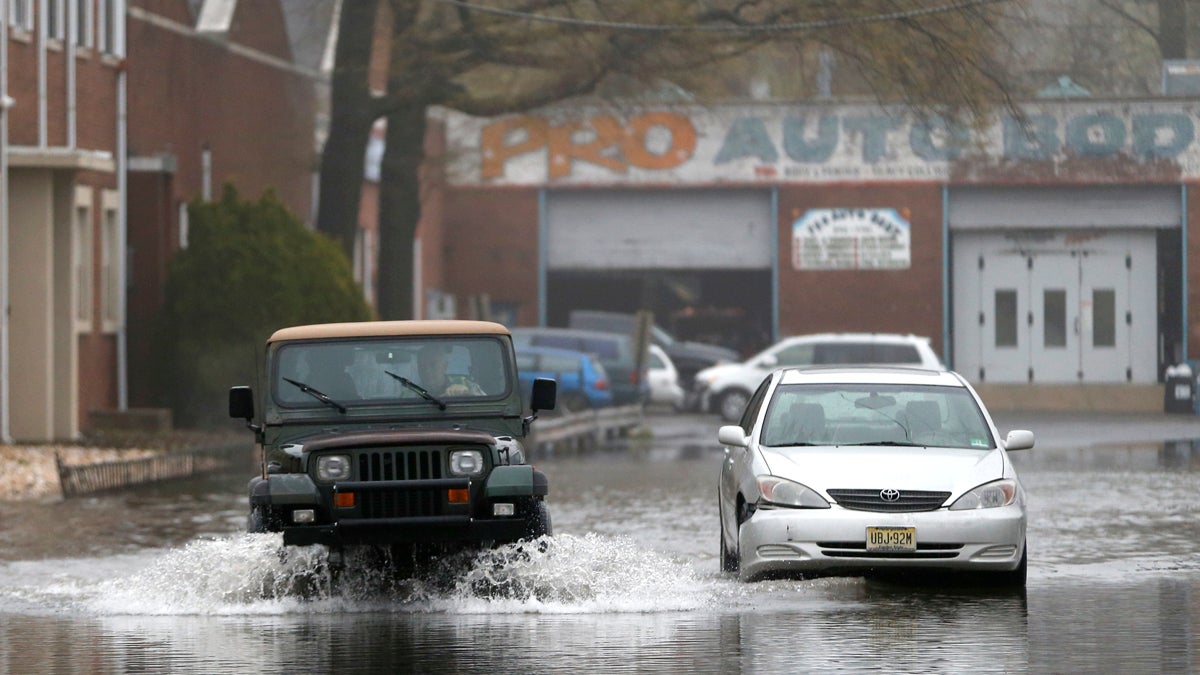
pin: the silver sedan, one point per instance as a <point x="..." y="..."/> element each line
<point x="849" y="470"/>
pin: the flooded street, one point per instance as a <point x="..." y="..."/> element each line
<point x="162" y="579"/>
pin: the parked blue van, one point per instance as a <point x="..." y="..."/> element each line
<point x="582" y="380"/>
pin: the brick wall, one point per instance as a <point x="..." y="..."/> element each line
<point x="900" y="301"/>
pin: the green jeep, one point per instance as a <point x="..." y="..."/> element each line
<point x="399" y="435"/>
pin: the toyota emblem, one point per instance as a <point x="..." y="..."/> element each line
<point x="889" y="495"/>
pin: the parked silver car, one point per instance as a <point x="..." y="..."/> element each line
<point x="848" y="470"/>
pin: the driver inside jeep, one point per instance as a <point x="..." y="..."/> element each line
<point x="433" y="364"/>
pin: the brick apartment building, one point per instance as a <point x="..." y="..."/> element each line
<point x="116" y="114"/>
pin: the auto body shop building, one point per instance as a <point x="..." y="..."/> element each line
<point x="1047" y="247"/>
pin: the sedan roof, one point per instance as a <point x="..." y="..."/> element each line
<point x="870" y="375"/>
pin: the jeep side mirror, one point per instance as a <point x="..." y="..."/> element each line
<point x="241" y="403"/>
<point x="545" y="391"/>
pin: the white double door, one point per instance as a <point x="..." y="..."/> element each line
<point x="1056" y="307"/>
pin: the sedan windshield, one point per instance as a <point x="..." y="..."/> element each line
<point x="875" y="414"/>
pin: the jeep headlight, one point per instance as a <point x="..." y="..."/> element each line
<point x="466" y="463"/>
<point x="333" y="467"/>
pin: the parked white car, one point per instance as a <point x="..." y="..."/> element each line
<point x="725" y="388"/>
<point x="664" y="379"/>
<point x="859" y="470"/>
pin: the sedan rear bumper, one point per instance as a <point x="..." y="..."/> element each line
<point x="796" y="541"/>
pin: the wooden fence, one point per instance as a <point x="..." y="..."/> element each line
<point x="84" y="479"/>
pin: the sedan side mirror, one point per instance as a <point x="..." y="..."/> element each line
<point x="768" y="361"/>
<point x="734" y="435"/>
<point x="1018" y="439"/>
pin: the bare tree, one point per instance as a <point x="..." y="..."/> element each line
<point x="489" y="57"/>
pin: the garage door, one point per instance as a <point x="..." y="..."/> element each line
<point x="659" y="229"/>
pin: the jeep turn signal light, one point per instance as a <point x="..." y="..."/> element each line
<point x="458" y="496"/>
<point x="344" y="500"/>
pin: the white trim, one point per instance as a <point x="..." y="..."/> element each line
<point x="216" y="16"/>
<point x="111" y="261"/>
<point x="83" y="258"/>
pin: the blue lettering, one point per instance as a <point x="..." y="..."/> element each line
<point x="1149" y="143"/>
<point x="1037" y="140"/>
<point x="819" y="149"/>
<point x="874" y="131"/>
<point x="1095" y="135"/>
<point x="920" y="138"/>
<point x="747" y="137"/>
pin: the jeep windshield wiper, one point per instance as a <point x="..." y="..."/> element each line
<point x="419" y="389"/>
<point x="317" y="394"/>
<point x="903" y="444"/>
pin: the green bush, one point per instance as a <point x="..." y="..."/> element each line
<point x="249" y="269"/>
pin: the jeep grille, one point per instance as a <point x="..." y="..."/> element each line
<point x="399" y="465"/>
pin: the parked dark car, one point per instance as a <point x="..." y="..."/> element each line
<point x="615" y="352"/>
<point x="582" y="381"/>
<point x="689" y="357"/>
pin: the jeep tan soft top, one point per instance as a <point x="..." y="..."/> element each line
<point x="387" y="329"/>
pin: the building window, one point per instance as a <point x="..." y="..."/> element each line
<point x="20" y="15"/>
<point x="110" y="263"/>
<point x="107" y="26"/>
<point x="183" y="226"/>
<point x="55" y="26"/>
<point x="83" y="258"/>
<point x="84" y="36"/>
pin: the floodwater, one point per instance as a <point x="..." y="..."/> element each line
<point x="161" y="579"/>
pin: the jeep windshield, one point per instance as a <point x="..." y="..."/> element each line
<point x="429" y="371"/>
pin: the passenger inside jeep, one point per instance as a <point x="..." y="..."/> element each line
<point x="322" y="368"/>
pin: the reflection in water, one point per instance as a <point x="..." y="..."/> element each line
<point x="153" y="581"/>
<point x="1149" y="627"/>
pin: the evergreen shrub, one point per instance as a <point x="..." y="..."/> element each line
<point x="250" y="268"/>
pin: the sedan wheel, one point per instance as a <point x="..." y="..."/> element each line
<point x="729" y="560"/>
<point x="732" y="403"/>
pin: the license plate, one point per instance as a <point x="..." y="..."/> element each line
<point x="891" y="539"/>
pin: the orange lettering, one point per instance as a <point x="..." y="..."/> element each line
<point x="496" y="151"/>
<point x="683" y="140"/>
<point x="564" y="150"/>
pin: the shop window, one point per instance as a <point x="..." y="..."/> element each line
<point x="1006" y="317"/>
<point x="1054" y="317"/>
<point x="1104" y="317"/>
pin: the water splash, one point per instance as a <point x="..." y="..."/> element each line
<point x="255" y="574"/>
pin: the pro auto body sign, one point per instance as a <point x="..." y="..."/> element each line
<point x="851" y="239"/>
<point x="772" y="143"/>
